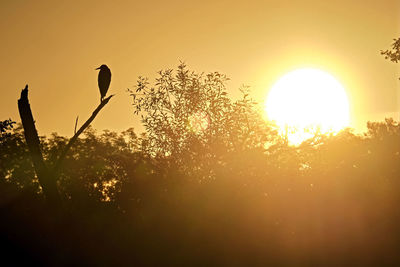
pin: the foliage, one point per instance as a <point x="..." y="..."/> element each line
<point x="191" y="121"/>
<point x="394" y="53"/>
<point x="6" y="125"/>
<point x="15" y="163"/>
<point x="230" y="193"/>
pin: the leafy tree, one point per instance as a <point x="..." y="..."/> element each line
<point x="208" y="183"/>
<point x="191" y="122"/>
<point x="15" y="164"/>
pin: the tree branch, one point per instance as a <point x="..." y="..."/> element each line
<point x="63" y="154"/>
<point x="76" y="124"/>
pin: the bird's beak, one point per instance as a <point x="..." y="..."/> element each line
<point x="97" y="68"/>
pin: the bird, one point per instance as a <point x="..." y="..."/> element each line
<point x="104" y="80"/>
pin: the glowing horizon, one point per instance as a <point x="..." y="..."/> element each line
<point x="58" y="46"/>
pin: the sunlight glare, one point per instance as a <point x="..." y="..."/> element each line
<point x="198" y="122"/>
<point x="307" y="100"/>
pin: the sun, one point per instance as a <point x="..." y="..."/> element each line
<point x="307" y="100"/>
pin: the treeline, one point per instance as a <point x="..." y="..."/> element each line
<point x="208" y="183"/>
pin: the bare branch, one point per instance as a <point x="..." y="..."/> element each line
<point x="76" y="135"/>
<point x="76" y="123"/>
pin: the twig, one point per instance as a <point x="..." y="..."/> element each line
<point x="76" y="123"/>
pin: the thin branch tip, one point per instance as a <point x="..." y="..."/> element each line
<point x="76" y="124"/>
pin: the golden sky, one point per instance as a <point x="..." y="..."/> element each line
<point x="54" y="46"/>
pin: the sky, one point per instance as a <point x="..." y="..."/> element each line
<point x="55" y="46"/>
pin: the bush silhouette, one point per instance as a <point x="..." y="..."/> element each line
<point x="208" y="183"/>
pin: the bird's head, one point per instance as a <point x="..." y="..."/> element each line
<point x="102" y="67"/>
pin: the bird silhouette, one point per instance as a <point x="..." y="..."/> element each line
<point x="104" y="80"/>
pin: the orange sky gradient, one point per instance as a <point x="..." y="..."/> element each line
<point x="54" y="46"/>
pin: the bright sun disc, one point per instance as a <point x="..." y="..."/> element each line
<point x="306" y="100"/>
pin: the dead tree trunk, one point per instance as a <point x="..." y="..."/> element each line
<point x="46" y="181"/>
<point x="47" y="176"/>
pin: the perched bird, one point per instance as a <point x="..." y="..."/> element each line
<point x="104" y="80"/>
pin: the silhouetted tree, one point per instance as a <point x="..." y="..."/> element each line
<point x="208" y="183"/>
<point x="191" y="121"/>
<point x="47" y="176"/>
